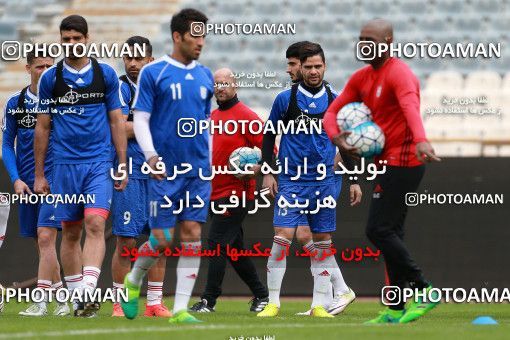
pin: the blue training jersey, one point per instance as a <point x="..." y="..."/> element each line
<point x="317" y="148"/>
<point x="176" y="94"/>
<point x="81" y="126"/>
<point x="134" y="152"/>
<point x="18" y="139"/>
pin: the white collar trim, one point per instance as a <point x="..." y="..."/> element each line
<point x="31" y="95"/>
<point x="308" y="94"/>
<point x="82" y="71"/>
<point x="131" y="82"/>
<point x="178" y="64"/>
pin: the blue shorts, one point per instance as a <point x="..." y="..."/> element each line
<point x="82" y="179"/>
<point x="323" y="221"/>
<point x="338" y="186"/>
<point x="130" y="209"/>
<point x="32" y="216"/>
<point x="162" y="217"/>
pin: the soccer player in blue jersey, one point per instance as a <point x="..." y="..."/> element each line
<point x="171" y="89"/>
<point x="307" y="101"/>
<point x="130" y="208"/>
<point x="35" y="220"/>
<point x="80" y="97"/>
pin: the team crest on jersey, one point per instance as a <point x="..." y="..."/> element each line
<point x="378" y="92"/>
<point x="203" y="92"/>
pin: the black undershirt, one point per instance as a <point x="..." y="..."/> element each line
<point x="227" y="104"/>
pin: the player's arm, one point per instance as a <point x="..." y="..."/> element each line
<point x="348" y="162"/>
<point x="41" y="141"/>
<point x="117" y="127"/>
<point x="114" y="103"/>
<point x="42" y="131"/>
<point x="348" y="95"/>
<point x="268" y="142"/>
<point x="126" y="98"/>
<point x="9" y="129"/>
<point x="408" y="96"/>
<point x="143" y="106"/>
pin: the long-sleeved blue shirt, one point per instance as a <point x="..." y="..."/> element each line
<point x="18" y="140"/>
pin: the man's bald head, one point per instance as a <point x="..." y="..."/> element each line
<point x="377" y="30"/>
<point x="373" y="34"/>
<point x="224" y="73"/>
<point x="224" y="84"/>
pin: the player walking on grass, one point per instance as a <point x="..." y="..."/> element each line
<point x="173" y="93"/>
<point x="35" y="220"/>
<point x="80" y="96"/>
<point x="303" y="233"/>
<point x="227" y="228"/>
<point x="307" y="100"/>
<point x="130" y="208"/>
<point x="391" y="91"/>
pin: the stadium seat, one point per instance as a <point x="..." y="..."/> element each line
<point x="505" y="85"/>
<point x="377" y="8"/>
<point x="267" y="8"/>
<point x="413" y="7"/>
<point x="488" y="80"/>
<point x="468" y="24"/>
<point x="445" y="79"/>
<point x="8" y="31"/>
<point x="341" y="9"/>
<point x="229" y="8"/>
<point x="451" y="7"/>
<point x="489" y="6"/>
<point x="432" y="24"/>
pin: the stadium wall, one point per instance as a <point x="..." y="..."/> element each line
<point x="456" y="245"/>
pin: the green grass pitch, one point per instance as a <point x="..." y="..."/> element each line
<point x="232" y="320"/>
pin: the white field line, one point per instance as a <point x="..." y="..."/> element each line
<point x="169" y="328"/>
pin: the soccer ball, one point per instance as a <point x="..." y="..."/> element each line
<point x="352" y="115"/>
<point x="2" y="304"/>
<point x="368" y="138"/>
<point x="244" y="155"/>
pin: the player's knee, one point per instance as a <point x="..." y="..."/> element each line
<point x="286" y="233"/>
<point x="160" y="239"/>
<point x="191" y="233"/>
<point x="122" y="242"/>
<point x="303" y="235"/>
<point x="94" y="226"/>
<point x="45" y="239"/>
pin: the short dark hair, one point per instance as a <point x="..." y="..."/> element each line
<point x="74" y="22"/>
<point x="141" y="41"/>
<point x="32" y="55"/>
<point x="293" y="50"/>
<point x="181" y="21"/>
<point x="309" y="50"/>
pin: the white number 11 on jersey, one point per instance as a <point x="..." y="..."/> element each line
<point x="176" y="91"/>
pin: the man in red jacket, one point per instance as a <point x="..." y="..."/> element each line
<point x="391" y="91"/>
<point x="227" y="228"/>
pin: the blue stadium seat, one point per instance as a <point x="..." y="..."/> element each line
<point x="381" y="8"/>
<point x="8" y="31"/>
<point x="432" y="24"/>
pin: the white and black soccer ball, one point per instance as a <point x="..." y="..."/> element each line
<point x="2" y="303"/>
<point x="352" y="115"/>
<point x="243" y="156"/>
<point x="368" y="138"/>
